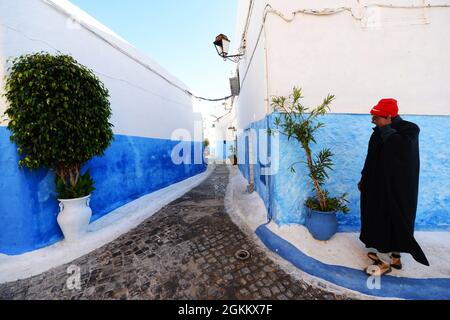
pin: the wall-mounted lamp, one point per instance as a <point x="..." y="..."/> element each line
<point x="222" y="45"/>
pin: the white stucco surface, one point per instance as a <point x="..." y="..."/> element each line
<point x="143" y="103"/>
<point x="345" y="249"/>
<point x="361" y="55"/>
<point x="248" y="206"/>
<point x="100" y="233"/>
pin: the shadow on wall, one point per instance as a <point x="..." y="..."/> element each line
<point x="348" y="136"/>
<point x="132" y="167"/>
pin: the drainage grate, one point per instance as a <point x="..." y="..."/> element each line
<point x="243" y="255"/>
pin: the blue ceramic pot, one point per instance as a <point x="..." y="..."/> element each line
<point x="322" y="225"/>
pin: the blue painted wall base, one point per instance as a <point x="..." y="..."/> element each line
<point x="394" y="287"/>
<point x="131" y="167"/>
<point x="284" y="193"/>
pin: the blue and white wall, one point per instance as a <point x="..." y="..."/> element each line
<point x="143" y="103"/>
<point x="361" y="54"/>
<point x="220" y="136"/>
<point x="347" y="136"/>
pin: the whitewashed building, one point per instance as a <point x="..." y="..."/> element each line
<point x="360" y="51"/>
<point x="148" y="105"/>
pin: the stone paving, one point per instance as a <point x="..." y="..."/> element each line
<point x="184" y="252"/>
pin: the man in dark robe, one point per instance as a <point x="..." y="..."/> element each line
<point x="389" y="189"/>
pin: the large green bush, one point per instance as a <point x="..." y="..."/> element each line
<point x="59" y="117"/>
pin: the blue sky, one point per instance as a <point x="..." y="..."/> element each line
<point x="178" y="34"/>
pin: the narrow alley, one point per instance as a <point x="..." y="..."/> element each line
<point x="185" y="251"/>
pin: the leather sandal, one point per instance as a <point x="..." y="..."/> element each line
<point x="374" y="257"/>
<point x="397" y="266"/>
<point x="376" y="269"/>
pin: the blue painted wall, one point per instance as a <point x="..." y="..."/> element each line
<point x="263" y="183"/>
<point x="131" y="167"/>
<point x="347" y="136"/>
<point x="222" y="150"/>
<point x="243" y="155"/>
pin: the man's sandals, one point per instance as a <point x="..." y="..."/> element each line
<point x="380" y="268"/>
<point x="398" y="266"/>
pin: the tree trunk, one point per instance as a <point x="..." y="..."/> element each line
<point x="319" y="193"/>
<point x="69" y="174"/>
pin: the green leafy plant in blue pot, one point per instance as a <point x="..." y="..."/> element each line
<point x="299" y="122"/>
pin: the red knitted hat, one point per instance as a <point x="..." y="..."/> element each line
<point x="385" y="108"/>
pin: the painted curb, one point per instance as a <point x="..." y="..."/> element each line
<point x="356" y="280"/>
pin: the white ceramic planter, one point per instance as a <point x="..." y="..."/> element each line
<point x="74" y="217"/>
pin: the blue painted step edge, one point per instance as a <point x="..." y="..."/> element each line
<point x="391" y="287"/>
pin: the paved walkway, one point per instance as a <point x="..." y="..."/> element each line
<point x="185" y="251"/>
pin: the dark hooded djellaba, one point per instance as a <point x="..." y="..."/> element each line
<point x="389" y="188"/>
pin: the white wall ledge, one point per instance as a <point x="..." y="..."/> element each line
<point x="100" y="233"/>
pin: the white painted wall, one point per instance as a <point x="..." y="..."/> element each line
<point x="222" y="133"/>
<point x="222" y="126"/>
<point x="143" y="103"/>
<point x="252" y="102"/>
<point x="401" y="53"/>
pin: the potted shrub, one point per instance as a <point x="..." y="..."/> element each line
<point x="206" y="145"/>
<point x="59" y="114"/>
<point x="301" y="123"/>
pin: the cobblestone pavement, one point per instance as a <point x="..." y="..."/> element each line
<point x="185" y="251"/>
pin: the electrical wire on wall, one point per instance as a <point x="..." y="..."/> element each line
<point x="211" y="100"/>
<point x="247" y="24"/>
<point x="318" y="12"/>
<point x="217" y="119"/>
<point x="227" y="110"/>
